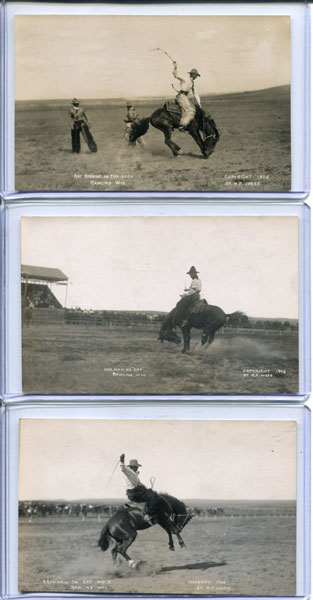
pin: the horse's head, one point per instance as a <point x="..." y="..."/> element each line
<point x="210" y="134"/>
<point x="137" y="494"/>
<point x="169" y="336"/>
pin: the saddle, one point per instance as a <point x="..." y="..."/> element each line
<point x="199" y="306"/>
<point x="172" y="107"/>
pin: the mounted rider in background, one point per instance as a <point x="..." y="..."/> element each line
<point x="132" y="118"/>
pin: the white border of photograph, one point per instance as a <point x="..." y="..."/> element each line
<point x="299" y="14"/>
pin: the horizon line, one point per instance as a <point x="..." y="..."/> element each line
<point x="205" y="94"/>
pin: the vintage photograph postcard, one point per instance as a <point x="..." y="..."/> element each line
<point x="152" y="103"/>
<point x="160" y="305"/>
<point x="126" y="514"/>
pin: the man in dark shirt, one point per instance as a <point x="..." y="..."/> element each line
<point x="76" y="118"/>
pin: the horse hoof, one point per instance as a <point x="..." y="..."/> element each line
<point x="132" y="564"/>
<point x="172" y="548"/>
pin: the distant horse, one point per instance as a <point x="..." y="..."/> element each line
<point x="167" y="119"/>
<point x="205" y="316"/>
<point x="122" y="527"/>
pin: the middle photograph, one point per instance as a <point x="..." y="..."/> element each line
<point x="160" y="304"/>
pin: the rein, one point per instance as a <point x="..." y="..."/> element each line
<point x="167" y="502"/>
<point x="207" y="137"/>
<point x="174" y="514"/>
<point x="212" y="135"/>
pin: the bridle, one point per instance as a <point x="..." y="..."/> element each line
<point x="211" y="135"/>
<point x="173" y="514"/>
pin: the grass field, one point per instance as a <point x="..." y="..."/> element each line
<point x="253" y="152"/>
<point x="128" y="360"/>
<point x="224" y="556"/>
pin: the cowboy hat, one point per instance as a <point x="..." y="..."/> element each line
<point x="194" y="72"/>
<point x="129" y="103"/>
<point x="75" y="101"/>
<point x="134" y="463"/>
<point x="192" y="270"/>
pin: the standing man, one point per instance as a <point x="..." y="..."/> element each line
<point x="188" y="298"/>
<point x="187" y="97"/>
<point x="77" y="116"/>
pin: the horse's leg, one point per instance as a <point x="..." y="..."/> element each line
<point x="167" y="528"/>
<point x="207" y="336"/>
<point x="186" y="336"/>
<point x="170" y="540"/>
<point x="169" y="142"/>
<point x="204" y="338"/>
<point x="170" y="528"/>
<point x="123" y="547"/>
<point x="181" y="541"/>
<point x="167" y="131"/>
<point x="114" y="553"/>
<point x="211" y="337"/>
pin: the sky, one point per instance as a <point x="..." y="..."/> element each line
<point x="141" y="263"/>
<point x="232" y="460"/>
<point x="113" y="56"/>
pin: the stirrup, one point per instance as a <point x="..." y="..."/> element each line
<point x="148" y="519"/>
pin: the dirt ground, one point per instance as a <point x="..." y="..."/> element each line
<point x="224" y="556"/>
<point x="253" y="153"/>
<point x="128" y="360"/>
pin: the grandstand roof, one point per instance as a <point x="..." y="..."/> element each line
<point x="42" y="273"/>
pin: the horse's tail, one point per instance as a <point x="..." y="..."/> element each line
<point x="104" y="538"/>
<point x="139" y="128"/>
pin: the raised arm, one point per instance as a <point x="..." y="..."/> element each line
<point x="129" y="473"/>
<point x="175" y="71"/>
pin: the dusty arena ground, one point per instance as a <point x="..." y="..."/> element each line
<point x="223" y="556"/>
<point x="253" y="152"/>
<point x="123" y="360"/>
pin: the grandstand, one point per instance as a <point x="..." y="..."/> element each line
<point x="36" y="286"/>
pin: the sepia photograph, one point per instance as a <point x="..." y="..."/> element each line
<point x="123" y="513"/>
<point x="160" y="305"/>
<point x="152" y="103"/>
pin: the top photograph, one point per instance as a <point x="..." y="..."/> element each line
<point x="178" y="103"/>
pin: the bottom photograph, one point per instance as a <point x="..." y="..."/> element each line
<point x="193" y="506"/>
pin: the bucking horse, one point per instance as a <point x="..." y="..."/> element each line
<point x="204" y="316"/>
<point x="167" y="511"/>
<point x="202" y="128"/>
